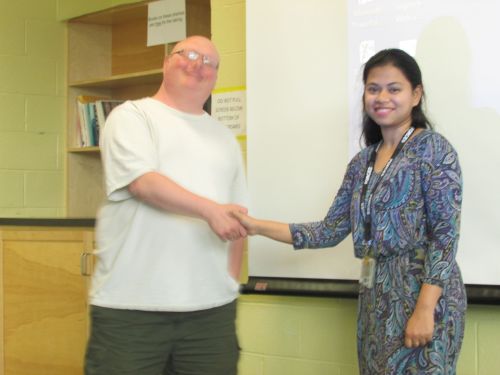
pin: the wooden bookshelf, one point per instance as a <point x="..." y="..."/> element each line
<point x="108" y="56"/>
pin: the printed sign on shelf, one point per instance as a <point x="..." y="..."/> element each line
<point x="166" y="21"/>
<point x="229" y="107"/>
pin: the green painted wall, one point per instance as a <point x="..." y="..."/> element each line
<point x="316" y="336"/>
<point x="32" y="109"/>
<point x="73" y="8"/>
<point x="32" y="103"/>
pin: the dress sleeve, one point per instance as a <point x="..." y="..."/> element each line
<point x="337" y="223"/>
<point x="442" y="191"/>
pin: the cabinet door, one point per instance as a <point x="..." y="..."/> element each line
<point x="44" y="301"/>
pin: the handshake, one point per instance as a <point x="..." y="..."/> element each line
<point x="230" y="222"/>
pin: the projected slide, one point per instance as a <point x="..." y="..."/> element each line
<point x="304" y="62"/>
<point x="453" y="41"/>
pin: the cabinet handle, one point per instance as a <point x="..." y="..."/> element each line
<point x="85" y="266"/>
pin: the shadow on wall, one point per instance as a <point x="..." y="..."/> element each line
<point x="445" y="58"/>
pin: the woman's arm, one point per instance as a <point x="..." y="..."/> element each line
<point x="274" y="230"/>
<point x="312" y="235"/>
<point x="442" y="192"/>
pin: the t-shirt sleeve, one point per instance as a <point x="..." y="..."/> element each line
<point x="127" y="149"/>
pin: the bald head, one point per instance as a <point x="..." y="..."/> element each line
<point x="200" y="44"/>
<point x="189" y="74"/>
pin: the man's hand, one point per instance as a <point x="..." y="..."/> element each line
<point x="248" y="222"/>
<point x="223" y="223"/>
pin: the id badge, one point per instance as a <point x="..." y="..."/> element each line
<point x="367" y="277"/>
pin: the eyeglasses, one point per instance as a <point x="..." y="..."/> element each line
<point x="192" y="55"/>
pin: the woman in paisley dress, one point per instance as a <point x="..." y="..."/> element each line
<point x="401" y="200"/>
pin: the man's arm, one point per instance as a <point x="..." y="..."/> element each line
<point x="236" y="258"/>
<point x="160" y="191"/>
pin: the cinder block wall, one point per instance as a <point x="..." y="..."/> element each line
<point x="32" y="109"/>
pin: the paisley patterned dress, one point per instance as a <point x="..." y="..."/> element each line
<point x="414" y="234"/>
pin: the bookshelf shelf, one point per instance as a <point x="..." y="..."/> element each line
<point x="122" y="80"/>
<point x="92" y="149"/>
<point x="108" y="57"/>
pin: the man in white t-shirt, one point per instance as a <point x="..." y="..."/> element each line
<point x="169" y="251"/>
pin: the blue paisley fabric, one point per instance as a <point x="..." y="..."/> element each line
<point x="415" y="229"/>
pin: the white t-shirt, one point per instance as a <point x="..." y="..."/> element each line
<point x="149" y="259"/>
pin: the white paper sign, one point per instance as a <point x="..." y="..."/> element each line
<point x="229" y="107"/>
<point x="166" y="21"/>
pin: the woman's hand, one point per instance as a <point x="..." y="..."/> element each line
<point x="248" y="222"/>
<point x="420" y="328"/>
<point x="274" y="230"/>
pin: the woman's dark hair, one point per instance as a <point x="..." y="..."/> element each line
<point x="371" y="133"/>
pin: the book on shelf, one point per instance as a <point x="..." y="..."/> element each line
<point x="92" y="113"/>
<point x="103" y="109"/>
<point x="94" y="127"/>
<point x="85" y="122"/>
<point x="78" y="140"/>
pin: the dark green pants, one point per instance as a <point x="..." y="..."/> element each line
<point x="130" y="342"/>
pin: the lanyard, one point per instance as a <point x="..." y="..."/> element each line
<point x="367" y="200"/>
